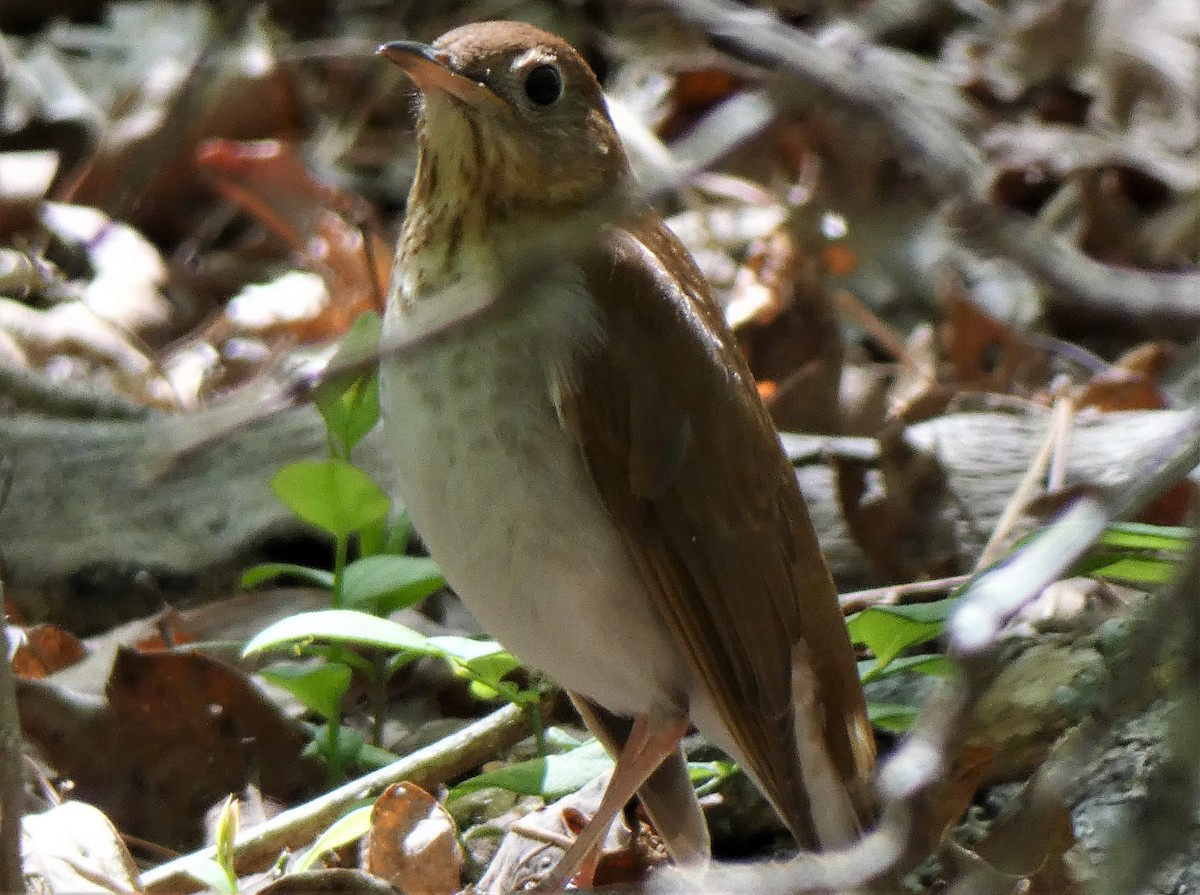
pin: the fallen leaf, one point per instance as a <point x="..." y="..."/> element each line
<point x="329" y="231"/>
<point x="413" y="844"/>
<point x="899" y="510"/>
<point x="73" y="847"/>
<point x="985" y="354"/>
<point x="178" y="733"/>
<point x="45" y="649"/>
<point x="1131" y="383"/>
<point x="25" y="179"/>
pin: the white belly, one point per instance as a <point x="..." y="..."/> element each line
<point x="501" y="496"/>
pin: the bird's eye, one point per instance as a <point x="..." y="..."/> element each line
<point x="543" y="84"/>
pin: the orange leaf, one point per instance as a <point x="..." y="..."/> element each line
<point x="413" y="843"/>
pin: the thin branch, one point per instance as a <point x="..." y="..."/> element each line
<point x="297" y="826"/>
<point x="1056" y="432"/>
<point x="895" y="594"/>
<point x="1082" y="284"/>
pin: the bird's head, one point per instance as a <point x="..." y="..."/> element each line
<point x="512" y="117"/>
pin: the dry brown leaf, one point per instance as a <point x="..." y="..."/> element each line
<point x="329" y="231"/>
<point x="985" y="354"/>
<point x="45" y="649"/>
<point x="145" y="162"/>
<point x="915" y="393"/>
<point x="765" y="281"/>
<point x="790" y="334"/>
<point x="334" y="881"/>
<point x="1131" y="383"/>
<point x="413" y="844"/>
<point x="692" y="94"/>
<point x="178" y="733"/>
<point x="900" y="512"/>
<point x="1034" y="845"/>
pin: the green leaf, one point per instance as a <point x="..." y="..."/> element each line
<point x="889" y="630"/>
<point x="551" y="777"/>
<point x="269" y="571"/>
<point x="384" y="583"/>
<point x="703" y="772"/>
<point x="1132" y="569"/>
<point x="373" y="539"/>
<point x="349" y="745"/>
<point x="210" y="874"/>
<point x="228" y="822"/>
<point x="331" y="494"/>
<point x="891" y="717"/>
<point x="933" y="664"/>
<point x="486" y="662"/>
<point x="336" y="652"/>
<point x="1137" y="536"/>
<point x="349" y="403"/>
<point x="319" y="687"/>
<point x="465" y="648"/>
<point x="339" y="626"/>
<point x="343" y="831"/>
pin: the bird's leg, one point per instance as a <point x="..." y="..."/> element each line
<point x="649" y="743"/>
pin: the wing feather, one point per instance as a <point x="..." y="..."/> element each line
<point x="682" y="453"/>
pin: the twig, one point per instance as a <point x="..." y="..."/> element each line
<point x="895" y="593"/>
<point x="1060" y="420"/>
<point x="911" y="778"/>
<point x="441" y="761"/>
<point x="851" y="307"/>
<point x="1082" y="284"/>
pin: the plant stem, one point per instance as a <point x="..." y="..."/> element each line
<point x="333" y="751"/>
<point x="538" y="724"/>
<point x="378" y="697"/>
<point x="341" y="548"/>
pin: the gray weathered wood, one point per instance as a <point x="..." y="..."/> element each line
<point x="94" y="502"/>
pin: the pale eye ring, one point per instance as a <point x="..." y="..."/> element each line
<point x="544" y="84"/>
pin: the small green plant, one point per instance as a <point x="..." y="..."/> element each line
<point x="341" y="499"/>
<point x="890" y="631"/>
<point x="219" y="873"/>
<point x="1130" y="553"/>
<point x="1136" y="554"/>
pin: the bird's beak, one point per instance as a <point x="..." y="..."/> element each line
<point x="431" y="70"/>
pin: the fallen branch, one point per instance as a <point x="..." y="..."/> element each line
<point x="87" y="506"/>
<point x="297" y="827"/>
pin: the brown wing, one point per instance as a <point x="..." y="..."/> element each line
<point x="685" y="458"/>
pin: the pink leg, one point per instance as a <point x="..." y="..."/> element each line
<point x="644" y="751"/>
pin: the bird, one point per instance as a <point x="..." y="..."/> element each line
<point x="582" y="448"/>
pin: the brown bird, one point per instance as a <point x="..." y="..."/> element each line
<point x="581" y="446"/>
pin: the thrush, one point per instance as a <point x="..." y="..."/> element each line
<point x="582" y="448"/>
